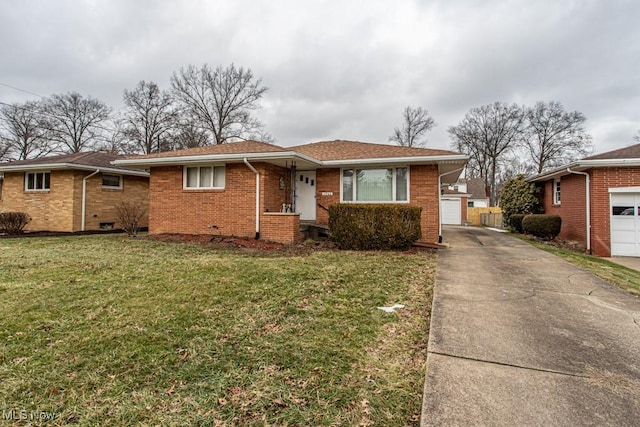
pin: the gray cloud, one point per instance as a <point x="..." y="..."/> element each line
<point x="343" y="69"/>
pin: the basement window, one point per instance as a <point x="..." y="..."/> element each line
<point x="37" y="181"/>
<point x="204" y="177"/>
<point x="112" y="181"/>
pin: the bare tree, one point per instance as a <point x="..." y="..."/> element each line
<point x="4" y="151"/>
<point x="148" y="117"/>
<point x="21" y="131"/>
<point x="417" y="123"/>
<point x="220" y="100"/>
<point x="75" y="122"/>
<point x="188" y="135"/>
<point x="488" y="134"/>
<point x="636" y="137"/>
<point x="554" y="136"/>
<point x="115" y="141"/>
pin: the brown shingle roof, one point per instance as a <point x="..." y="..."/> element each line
<point x="631" y="152"/>
<point x="476" y="187"/>
<point x="347" y="150"/>
<point x="228" y="148"/>
<point x="91" y="158"/>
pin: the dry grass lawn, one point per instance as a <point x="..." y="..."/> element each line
<point x="107" y="330"/>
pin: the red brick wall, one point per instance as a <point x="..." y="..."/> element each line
<point x="280" y="227"/>
<point x="572" y="208"/>
<point x="463" y="209"/>
<point x="229" y="212"/>
<point x="272" y="196"/>
<point x="224" y="212"/>
<point x="601" y="180"/>
<point x="327" y="181"/>
<point x="423" y="191"/>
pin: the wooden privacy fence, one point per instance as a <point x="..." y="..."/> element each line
<point x="491" y="217"/>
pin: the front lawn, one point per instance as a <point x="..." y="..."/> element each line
<point x="107" y="330"/>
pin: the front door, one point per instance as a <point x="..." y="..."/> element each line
<point x="306" y="195"/>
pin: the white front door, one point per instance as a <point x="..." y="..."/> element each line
<point x="306" y="195"/>
<point x="451" y="213"/>
<point x="625" y="224"/>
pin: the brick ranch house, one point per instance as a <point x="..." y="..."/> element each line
<point x="212" y="189"/>
<point x="598" y="199"/>
<point x="71" y="192"/>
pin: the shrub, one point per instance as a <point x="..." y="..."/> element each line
<point x="515" y="222"/>
<point x="364" y="226"/>
<point x="13" y="223"/>
<point x="543" y="226"/>
<point x="129" y="215"/>
<point x="518" y="197"/>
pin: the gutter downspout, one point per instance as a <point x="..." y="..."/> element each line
<point x="84" y="198"/>
<point x="588" y="203"/>
<point x="440" y="201"/>
<point x="250" y="166"/>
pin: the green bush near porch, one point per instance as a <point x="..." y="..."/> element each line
<point x="374" y="226"/>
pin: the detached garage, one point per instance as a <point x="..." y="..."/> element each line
<point x="598" y="199"/>
<point x="453" y="205"/>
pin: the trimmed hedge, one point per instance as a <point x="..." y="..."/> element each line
<point x="13" y="223"/>
<point x="543" y="226"/>
<point x="369" y="226"/>
<point x="515" y="222"/>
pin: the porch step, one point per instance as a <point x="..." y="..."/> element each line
<point x="314" y="231"/>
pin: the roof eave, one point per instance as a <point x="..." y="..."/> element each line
<point x="62" y="166"/>
<point x="458" y="158"/>
<point x="581" y="165"/>
<point x="181" y="160"/>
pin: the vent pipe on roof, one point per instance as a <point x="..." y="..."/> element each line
<point x="84" y="198"/>
<point x="588" y="206"/>
<point x="250" y="166"/>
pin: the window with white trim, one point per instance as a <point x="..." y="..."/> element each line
<point x="556" y="191"/>
<point x="204" y="177"/>
<point x="375" y="185"/>
<point x="37" y="181"/>
<point x="111" y="181"/>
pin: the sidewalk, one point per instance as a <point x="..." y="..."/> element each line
<point x="520" y="337"/>
<point x="629" y="262"/>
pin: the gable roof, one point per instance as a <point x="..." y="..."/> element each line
<point x="477" y="189"/>
<point x="630" y="152"/>
<point x="240" y="147"/>
<point x="351" y="150"/>
<point x="626" y="156"/>
<point x="90" y="160"/>
<point x="327" y="153"/>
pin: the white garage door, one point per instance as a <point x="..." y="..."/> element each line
<point x="625" y="224"/>
<point x="451" y="211"/>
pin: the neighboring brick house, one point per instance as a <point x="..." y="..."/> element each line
<point x="212" y="189"/>
<point x="598" y="199"/>
<point x="71" y="192"/>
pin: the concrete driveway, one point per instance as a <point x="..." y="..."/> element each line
<point x="521" y="337"/>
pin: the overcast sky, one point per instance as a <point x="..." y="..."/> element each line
<point x="342" y="69"/>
